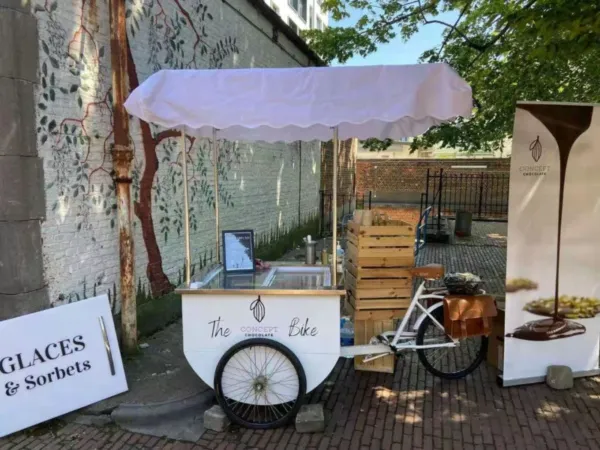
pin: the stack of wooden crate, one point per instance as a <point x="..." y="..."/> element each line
<point x="379" y="282"/>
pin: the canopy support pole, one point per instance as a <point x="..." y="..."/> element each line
<point x="334" y="206"/>
<point x="186" y="210"/>
<point x="216" y="178"/>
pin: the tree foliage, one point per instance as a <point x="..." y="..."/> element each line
<point x="375" y="145"/>
<point x="507" y="50"/>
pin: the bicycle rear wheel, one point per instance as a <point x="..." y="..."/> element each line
<point x="450" y="363"/>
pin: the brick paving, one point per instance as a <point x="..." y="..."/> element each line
<point x="483" y="253"/>
<point x="483" y="234"/>
<point x="410" y="409"/>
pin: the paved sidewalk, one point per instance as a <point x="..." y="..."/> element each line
<point x="483" y="253"/>
<point x="410" y="409"/>
<point x="160" y="373"/>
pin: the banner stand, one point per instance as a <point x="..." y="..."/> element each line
<point x="552" y="301"/>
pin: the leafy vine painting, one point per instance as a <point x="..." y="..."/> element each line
<point x="75" y="125"/>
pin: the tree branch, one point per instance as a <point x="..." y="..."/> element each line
<point x="507" y="26"/>
<point x="479" y="47"/>
<point x="462" y="13"/>
<point x="468" y="41"/>
<point x="401" y="18"/>
<point x="501" y="34"/>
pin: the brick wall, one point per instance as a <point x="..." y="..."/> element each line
<point x="409" y="175"/>
<point x="263" y="187"/>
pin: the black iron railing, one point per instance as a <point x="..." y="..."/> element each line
<point x="346" y="205"/>
<point x="483" y="194"/>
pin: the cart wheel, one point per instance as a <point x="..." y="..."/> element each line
<point x="260" y="384"/>
<point x="449" y="363"/>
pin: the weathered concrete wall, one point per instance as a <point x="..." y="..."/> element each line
<point x="261" y="185"/>
<point x="22" y="286"/>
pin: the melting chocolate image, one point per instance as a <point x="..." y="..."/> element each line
<point x="547" y="330"/>
<point x="566" y="123"/>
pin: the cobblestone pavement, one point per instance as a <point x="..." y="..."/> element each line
<point x="483" y="234"/>
<point x="483" y="253"/>
<point x="410" y="409"/>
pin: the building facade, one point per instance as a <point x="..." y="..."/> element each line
<point x="59" y="239"/>
<point x="301" y="14"/>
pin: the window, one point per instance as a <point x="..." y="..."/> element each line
<point x="300" y="6"/>
<point x="311" y="18"/>
<point x="293" y="25"/>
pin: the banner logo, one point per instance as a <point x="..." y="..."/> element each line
<point x="258" y="309"/>
<point x="536" y="149"/>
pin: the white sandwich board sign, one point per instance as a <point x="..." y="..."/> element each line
<point x="57" y="361"/>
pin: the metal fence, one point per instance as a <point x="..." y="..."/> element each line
<point x="483" y="194"/>
<point x="347" y="203"/>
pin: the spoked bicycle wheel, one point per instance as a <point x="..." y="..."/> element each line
<point x="449" y="363"/>
<point x="260" y="384"/>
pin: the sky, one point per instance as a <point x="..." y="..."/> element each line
<point x="398" y="51"/>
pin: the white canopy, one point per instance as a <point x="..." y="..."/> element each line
<point x="303" y="103"/>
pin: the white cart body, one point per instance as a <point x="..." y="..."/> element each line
<point x="307" y="325"/>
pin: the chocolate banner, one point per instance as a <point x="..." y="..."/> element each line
<point x="553" y="261"/>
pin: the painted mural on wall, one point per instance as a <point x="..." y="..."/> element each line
<point x="75" y="133"/>
<point x="77" y="139"/>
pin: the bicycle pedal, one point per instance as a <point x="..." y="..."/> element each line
<point x="382" y="339"/>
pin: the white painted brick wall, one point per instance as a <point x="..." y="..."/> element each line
<point x="79" y="236"/>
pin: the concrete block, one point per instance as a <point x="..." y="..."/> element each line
<point x="20" y="304"/>
<point x="310" y="419"/>
<point x="18" y="45"/>
<point x="215" y="419"/>
<point x="22" y="195"/>
<point x="559" y="377"/>
<point x="21" y="263"/>
<point x="17" y="118"/>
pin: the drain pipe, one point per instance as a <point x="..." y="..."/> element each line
<point x="122" y="155"/>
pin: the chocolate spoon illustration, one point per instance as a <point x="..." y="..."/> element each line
<point x="566" y="123"/>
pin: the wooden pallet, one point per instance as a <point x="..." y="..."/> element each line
<point x="378" y="259"/>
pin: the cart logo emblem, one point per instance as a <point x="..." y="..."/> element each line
<point x="258" y="309"/>
<point x="536" y="149"/>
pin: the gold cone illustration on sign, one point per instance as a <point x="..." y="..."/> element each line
<point x="536" y="149"/>
<point x="258" y="309"/>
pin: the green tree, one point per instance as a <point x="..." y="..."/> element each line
<point x="507" y="50"/>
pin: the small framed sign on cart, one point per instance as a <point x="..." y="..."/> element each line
<point x="238" y="250"/>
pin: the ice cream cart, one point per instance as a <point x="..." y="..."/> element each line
<point x="262" y="340"/>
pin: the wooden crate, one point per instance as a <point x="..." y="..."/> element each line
<point x="371" y="323"/>
<point x="496" y="342"/>
<point x="378" y="259"/>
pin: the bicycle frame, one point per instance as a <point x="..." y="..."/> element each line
<point x="401" y="335"/>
